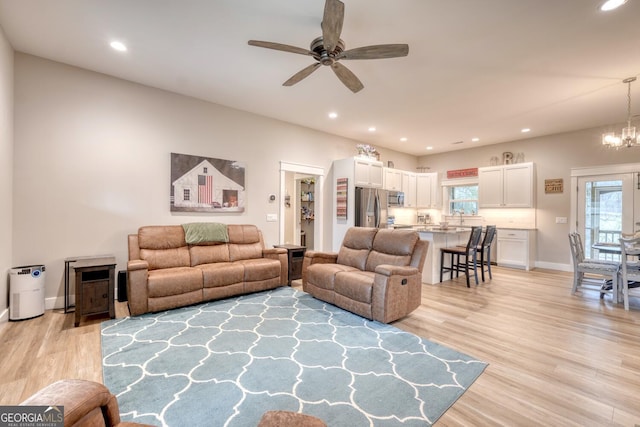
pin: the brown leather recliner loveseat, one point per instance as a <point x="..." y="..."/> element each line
<point x="165" y="271"/>
<point x="86" y="403"/>
<point x="376" y="274"/>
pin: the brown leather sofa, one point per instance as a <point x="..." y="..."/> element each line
<point x="86" y="403"/>
<point x="376" y="274"/>
<point x="165" y="272"/>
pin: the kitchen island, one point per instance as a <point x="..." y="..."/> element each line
<point x="440" y="238"/>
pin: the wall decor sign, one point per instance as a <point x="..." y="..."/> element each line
<point x="462" y="173"/>
<point x="206" y="184"/>
<point x="553" y="185"/>
<point x="341" y="197"/>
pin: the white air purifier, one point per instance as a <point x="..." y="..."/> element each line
<point x="26" y="292"/>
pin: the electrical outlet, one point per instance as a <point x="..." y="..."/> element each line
<point x="272" y="217"/>
<point x="561" y="220"/>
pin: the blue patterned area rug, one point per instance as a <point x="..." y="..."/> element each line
<point x="225" y="363"/>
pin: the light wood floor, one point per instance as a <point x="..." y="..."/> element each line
<point x="555" y="359"/>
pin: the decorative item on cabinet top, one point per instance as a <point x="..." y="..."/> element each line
<point x="366" y="150"/>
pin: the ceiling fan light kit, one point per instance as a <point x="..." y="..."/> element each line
<point x="628" y="137"/>
<point x="329" y="48"/>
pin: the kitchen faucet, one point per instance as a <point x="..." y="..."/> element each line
<point x="459" y="211"/>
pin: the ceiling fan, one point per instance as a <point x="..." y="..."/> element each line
<point x="330" y="48"/>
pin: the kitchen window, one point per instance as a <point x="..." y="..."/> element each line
<point x="464" y="199"/>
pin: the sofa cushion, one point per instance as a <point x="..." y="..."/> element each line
<point x="166" y="258"/>
<point x="355" y="285"/>
<point x="323" y="275"/>
<point x="238" y="252"/>
<point x="222" y="274"/>
<point x="393" y="247"/>
<point x="260" y="269"/>
<point x="207" y="254"/>
<point x="356" y="245"/>
<point x="243" y="233"/>
<point x="161" y="237"/>
<point x="174" y="281"/>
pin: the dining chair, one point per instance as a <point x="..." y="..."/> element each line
<point x="485" y="250"/>
<point x="630" y="269"/>
<point x="597" y="272"/>
<point x="470" y="254"/>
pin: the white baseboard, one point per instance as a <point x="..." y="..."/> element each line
<point x="58" y="302"/>
<point x="554" y="266"/>
<point x="4" y="315"/>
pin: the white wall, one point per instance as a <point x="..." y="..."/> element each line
<point x="6" y="168"/>
<point x="554" y="156"/>
<point x="92" y="161"/>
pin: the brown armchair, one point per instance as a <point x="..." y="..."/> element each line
<point x="86" y="403"/>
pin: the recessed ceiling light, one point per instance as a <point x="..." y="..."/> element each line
<point x="403" y="139"/>
<point x="372" y="129"/>
<point x="475" y="139"/>
<point x="429" y="148"/>
<point x="119" y="46"/>
<point x="611" y="4"/>
<point x="333" y="115"/>
<point x="525" y="130"/>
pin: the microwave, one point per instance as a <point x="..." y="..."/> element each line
<point x="395" y="198"/>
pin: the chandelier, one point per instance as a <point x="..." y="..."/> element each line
<point x="628" y="138"/>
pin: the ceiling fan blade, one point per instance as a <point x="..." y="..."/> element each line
<point x="347" y="77"/>
<point x="301" y="74"/>
<point x="376" y="52"/>
<point x="280" y="46"/>
<point x="332" y="23"/>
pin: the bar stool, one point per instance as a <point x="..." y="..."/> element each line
<point x="485" y="248"/>
<point x="470" y="254"/>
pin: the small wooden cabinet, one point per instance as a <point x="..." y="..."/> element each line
<point x="95" y="286"/>
<point x="368" y="173"/>
<point x="295" y="255"/>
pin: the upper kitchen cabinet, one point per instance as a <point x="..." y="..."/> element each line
<point x="507" y="186"/>
<point x="367" y="173"/>
<point x="392" y="179"/>
<point x="409" y="188"/>
<point x="360" y="172"/>
<point x="427" y="190"/>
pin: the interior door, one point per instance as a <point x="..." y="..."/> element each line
<point x="605" y="210"/>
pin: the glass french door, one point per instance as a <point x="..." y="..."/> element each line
<point x="605" y="211"/>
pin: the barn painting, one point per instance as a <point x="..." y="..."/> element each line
<point x="205" y="184"/>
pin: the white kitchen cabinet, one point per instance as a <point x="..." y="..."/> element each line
<point x="392" y="179"/>
<point x="367" y="173"/>
<point x="507" y="186"/>
<point x="427" y="190"/>
<point x="516" y="248"/>
<point x="409" y="189"/>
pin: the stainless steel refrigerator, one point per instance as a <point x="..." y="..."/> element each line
<point x="371" y="207"/>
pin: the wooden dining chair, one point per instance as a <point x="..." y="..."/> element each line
<point x="629" y="269"/>
<point x="485" y="250"/>
<point x="462" y="258"/>
<point x="590" y="273"/>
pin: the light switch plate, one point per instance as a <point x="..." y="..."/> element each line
<point x="272" y="217"/>
<point x="561" y="220"/>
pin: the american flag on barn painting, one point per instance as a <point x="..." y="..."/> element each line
<point x="204" y="184"/>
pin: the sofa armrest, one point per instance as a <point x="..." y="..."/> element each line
<point x="137" y="290"/>
<point x="390" y="270"/>
<point x="79" y="398"/>
<point x="281" y="255"/>
<point x="316" y="257"/>
<point x="397" y="291"/>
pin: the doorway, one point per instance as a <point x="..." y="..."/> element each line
<point x="301" y="189"/>
<point x="606" y="206"/>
